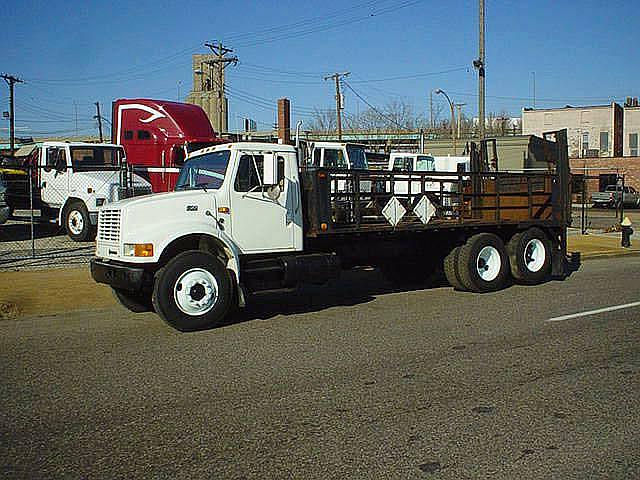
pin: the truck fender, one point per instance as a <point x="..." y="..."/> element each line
<point x="204" y="240"/>
<point x="68" y="202"/>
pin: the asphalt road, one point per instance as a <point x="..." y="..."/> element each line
<point x="352" y="381"/>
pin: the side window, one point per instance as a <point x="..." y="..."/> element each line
<point x="50" y="161"/>
<point x="281" y="172"/>
<point x="316" y="157"/>
<point x="248" y="177"/>
<point x="128" y="134"/>
<point x="143" y="135"/>
<point x="401" y="164"/>
<point x="53" y="153"/>
<point x="334" y="158"/>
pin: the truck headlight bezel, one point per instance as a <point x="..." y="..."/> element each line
<point x="141" y="250"/>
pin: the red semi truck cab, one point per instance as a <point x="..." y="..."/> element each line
<point x="157" y="135"/>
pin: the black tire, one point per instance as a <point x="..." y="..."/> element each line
<point x="203" y="269"/>
<point x="521" y="249"/>
<point x="451" y="269"/>
<point x="134" y="302"/>
<point x="471" y="261"/>
<point x="77" y="222"/>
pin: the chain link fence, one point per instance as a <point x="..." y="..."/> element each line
<point x="48" y="215"/>
<point x="601" y="200"/>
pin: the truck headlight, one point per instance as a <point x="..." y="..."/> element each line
<point x="100" y="202"/>
<point x="2" y="196"/>
<point x="138" y="250"/>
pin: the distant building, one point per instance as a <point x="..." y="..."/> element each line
<point x="594" y="131"/>
<point x="205" y="91"/>
<point x="631" y="128"/>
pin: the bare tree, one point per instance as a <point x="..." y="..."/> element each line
<point x="323" y="120"/>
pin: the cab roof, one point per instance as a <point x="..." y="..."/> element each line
<point x="255" y="146"/>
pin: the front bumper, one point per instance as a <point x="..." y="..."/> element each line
<point x="118" y="276"/>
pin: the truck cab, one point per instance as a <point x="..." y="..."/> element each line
<point x="421" y="163"/>
<point x="342" y="156"/>
<point x="73" y="180"/>
<point x="158" y="135"/>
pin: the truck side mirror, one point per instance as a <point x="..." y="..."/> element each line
<point x="270" y="170"/>
<point x="177" y="156"/>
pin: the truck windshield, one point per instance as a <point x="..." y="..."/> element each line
<point x="96" y="158"/>
<point x="204" y="171"/>
<point x="357" y="157"/>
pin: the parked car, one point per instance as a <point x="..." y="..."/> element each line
<point x="610" y="197"/>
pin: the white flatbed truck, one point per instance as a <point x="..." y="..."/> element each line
<point x="250" y="217"/>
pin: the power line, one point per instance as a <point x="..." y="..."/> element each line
<point x="371" y="106"/>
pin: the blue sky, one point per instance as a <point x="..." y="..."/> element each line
<point x="72" y="54"/>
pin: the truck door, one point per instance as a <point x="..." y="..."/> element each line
<point x="55" y="172"/>
<point x="264" y="219"/>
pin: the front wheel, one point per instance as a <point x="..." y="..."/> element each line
<point x="193" y="292"/>
<point x="77" y="223"/>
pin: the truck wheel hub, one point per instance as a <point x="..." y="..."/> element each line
<point x="196" y="291"/>
<point x="76" y="222"/>
<point x="534" y="255"/>
<point x="488" y="263"/>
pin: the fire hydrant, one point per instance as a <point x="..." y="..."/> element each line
<point x="627" y="231"/>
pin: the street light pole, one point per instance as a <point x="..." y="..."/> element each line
<point x="459" y="105"/>
<point x="453" y="121"/>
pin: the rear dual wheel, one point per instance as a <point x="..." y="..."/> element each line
<point x="483" y="265"/>
<point x="530" y="256"/>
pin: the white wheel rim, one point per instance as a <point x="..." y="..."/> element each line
<point x="534" y="255"/>
<point x="488" y="263"/>
<point x="196" y="291"/>
<point x="76" y="222"/>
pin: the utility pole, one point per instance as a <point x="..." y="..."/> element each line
<point x="11" y="81"/>
<point x="222" y="62"/>
<point x="339" y="106"/>
<point x="479" y="64"/>
<point x="99" y="118"/>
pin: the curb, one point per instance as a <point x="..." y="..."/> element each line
<point x="606" y="254"/>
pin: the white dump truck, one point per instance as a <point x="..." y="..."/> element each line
<point x="70" y="181"/>
<point x="253" y="217"/>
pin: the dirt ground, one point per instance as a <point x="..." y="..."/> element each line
<point x="39" y="292"/>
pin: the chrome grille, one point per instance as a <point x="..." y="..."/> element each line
<point x="109" y="225"/>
